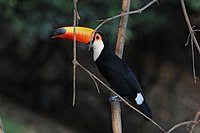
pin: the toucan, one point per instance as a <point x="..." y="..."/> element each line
<point x="112" y="68"/>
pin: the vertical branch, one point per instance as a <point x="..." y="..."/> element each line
<point x="74" y="53"/>
<point x="122" y="29"/>
<point x="193" y="38"/>
<point x="115" y="106"/>
<point x="116" y="116"/>
<point x="195" y="121"/>
<point x="193" y="60"/>
<point x="189" y="25"/>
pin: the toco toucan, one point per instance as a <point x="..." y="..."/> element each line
<point x="111" y="67"/>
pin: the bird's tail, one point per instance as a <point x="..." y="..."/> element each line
<point x="144" y="108"/>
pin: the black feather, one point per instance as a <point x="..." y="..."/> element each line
<point x="120" y="77"/>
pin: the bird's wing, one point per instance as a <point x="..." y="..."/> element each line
<point x="130" y="78"/>
<point x="119" y="75"/>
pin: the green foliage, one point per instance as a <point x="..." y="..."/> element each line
<point x="194" y="4"/>
<point x="11" y="126"/>
<point x="33" y="19"/>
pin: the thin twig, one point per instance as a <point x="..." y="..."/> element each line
<point x="193" y="60"/>
<point x="196" y="30"/>
<point x="111" y="90"/>
<point x="97" y="87"/>
<point x="74" y="52"/>
<point x="196" y="121"/>
<point x="189" y="36"/>
<point x="138" y="11"/>
<point x="179" y="125"/>
<point x="192" y="36"/>
<point x="190" y="27"/>
<point x="188" y="124"/>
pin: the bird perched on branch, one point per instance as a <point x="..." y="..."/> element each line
<point x="111" y="67"/>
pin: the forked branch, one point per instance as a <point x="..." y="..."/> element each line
<point x="189" y="124"/>
<point x="195" y="121"/>
<point x="138" y="11"/>
<point x="193" y="39"/>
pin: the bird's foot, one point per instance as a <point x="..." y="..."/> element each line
<point x="114" y="99"/>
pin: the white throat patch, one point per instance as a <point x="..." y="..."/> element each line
<point x="139" y="99"/>
<point x="97" y="48"/>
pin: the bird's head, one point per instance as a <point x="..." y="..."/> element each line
<point x="84" y="35"/>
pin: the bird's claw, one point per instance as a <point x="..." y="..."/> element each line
<point x="114" y="99"/>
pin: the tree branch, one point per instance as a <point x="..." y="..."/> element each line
<point x="189" y="25"/>
<point x="115" y="106"/>
<point x="74" y="52"/>
<point x="191" y="123"/>
<point x="192" y="37"/>
<point x="138" y="11"/>
<point x="195" y="121"/>
<point x="179" y="125"/>
<point x="97" y="87"/>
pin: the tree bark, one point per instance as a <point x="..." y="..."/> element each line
<point x="115" y="106"/>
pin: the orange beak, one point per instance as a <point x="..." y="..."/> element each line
<point x="83" y="34"/>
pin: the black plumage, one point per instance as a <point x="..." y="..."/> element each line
<point x="120" y="77"/>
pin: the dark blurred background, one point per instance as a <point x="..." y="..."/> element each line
<point x="36" y="71"/>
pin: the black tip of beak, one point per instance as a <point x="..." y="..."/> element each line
<point x="58" y="32"/>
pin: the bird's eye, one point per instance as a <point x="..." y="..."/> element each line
<point x="97" y="37"/>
